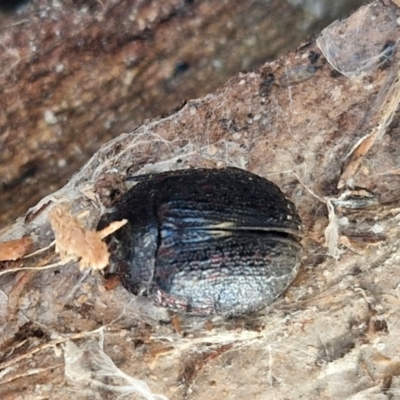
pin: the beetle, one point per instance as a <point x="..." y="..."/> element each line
<point x="206" y="241"/>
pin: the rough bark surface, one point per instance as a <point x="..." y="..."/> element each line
<point x="333" y="335"/>
<point x="74" y="74"/>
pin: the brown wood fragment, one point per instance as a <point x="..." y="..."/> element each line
<point x="15" y="249"/>
<point x="193" y="365"/>
<point x="73" y="241"/>
<point x="112" y="282"/>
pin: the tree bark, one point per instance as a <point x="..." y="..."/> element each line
<point x="334" y="334"/>
<point x="77" y="74"/>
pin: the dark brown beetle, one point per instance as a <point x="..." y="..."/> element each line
<point x="206" y="241"/>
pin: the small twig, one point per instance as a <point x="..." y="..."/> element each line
<point x="33" y="371"/>
<point x="7" y="271"/>
<point x="43" y="249"/>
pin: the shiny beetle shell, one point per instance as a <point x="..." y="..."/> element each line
<point x="206" y="241"/>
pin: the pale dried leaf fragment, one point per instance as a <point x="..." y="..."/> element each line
<point x="332" y="232"/>
<point x="14" y="249"/>
<point x="355" y="157"/>
<point x="74" y="242"/>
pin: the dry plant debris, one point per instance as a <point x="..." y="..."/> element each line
<point x="14" y="249"/>
<point x="73" y="241"/>
<point x="388" y="102"/>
